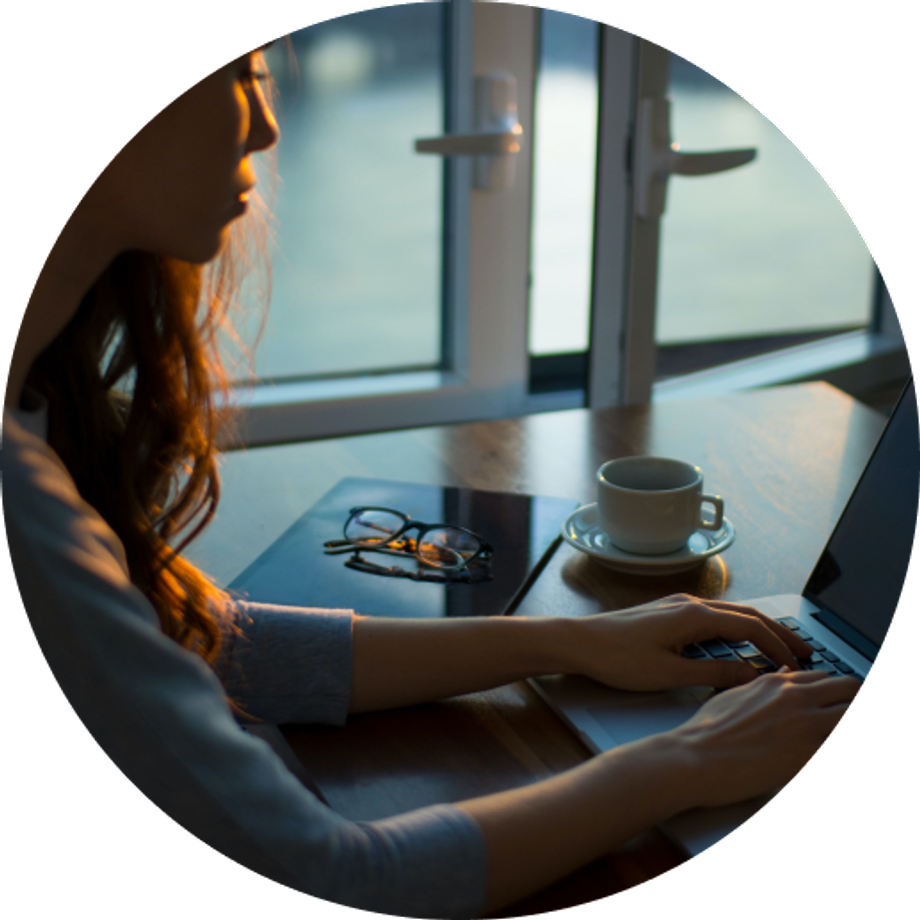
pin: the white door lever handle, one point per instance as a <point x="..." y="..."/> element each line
<point x="486" y="143"/>
<point x="655" y="158"/>
<point x="703" y="164"/>
<point x="496" y="137"/>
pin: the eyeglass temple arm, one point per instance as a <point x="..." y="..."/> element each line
<point x="358" y="548"/>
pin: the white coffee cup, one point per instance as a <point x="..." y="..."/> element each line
<point x="651" y="505"/>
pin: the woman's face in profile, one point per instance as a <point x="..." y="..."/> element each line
<point x="181" y="181"/>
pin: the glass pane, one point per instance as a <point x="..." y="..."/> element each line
<point x="357" y="272"/>
<point x="766" y="250"/>
<point x="565" y="146"/>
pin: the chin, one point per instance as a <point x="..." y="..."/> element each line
<point x="200" y="252"/>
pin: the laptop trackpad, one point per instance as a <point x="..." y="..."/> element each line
<point x="631" y="716"/>
<point x="606" y="718"/>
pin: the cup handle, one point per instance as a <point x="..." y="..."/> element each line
<point x="717" y="504"/>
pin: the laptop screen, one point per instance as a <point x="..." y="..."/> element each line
<point x="859" y="577"/>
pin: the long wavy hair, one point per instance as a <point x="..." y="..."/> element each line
<point x="137" y="385"/>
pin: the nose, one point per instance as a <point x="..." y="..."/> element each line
<point x="263" y="128"/>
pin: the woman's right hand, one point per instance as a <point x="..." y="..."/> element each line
<point x="753" y="739"/>
<point x="743" y="742"/>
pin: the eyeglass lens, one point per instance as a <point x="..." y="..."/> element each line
<point x="370" y="526"/>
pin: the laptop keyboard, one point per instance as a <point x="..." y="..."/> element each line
<point x="822" y="659"/>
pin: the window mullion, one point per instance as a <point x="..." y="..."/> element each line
<point x="614" y="222"/>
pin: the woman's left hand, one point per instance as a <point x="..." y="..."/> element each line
<point x="640" y="648"/>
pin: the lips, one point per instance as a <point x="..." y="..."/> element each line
<point x="241" y="202"/>
<point x="239" y="206"/>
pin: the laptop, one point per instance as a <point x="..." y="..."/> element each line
<point x="843" y="612"/>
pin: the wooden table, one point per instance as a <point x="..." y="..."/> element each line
<point x="785" y="460"/>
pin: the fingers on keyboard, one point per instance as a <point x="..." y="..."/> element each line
<point x="822" y="659"/>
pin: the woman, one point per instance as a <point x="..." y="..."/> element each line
<point x="149" y="652"/>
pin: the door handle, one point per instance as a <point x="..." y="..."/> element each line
<point x="496" y="135"/>
<point x="484" y="143"/>
<point x="656" y="158"/>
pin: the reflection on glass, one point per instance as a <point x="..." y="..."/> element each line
<point x="564" y="170"/>
<point x="296" y="571"/>
<point x="357" y="272"/>
<point x="764" y="250"/>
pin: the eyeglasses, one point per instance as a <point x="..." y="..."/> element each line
<point x="383" y="530"/>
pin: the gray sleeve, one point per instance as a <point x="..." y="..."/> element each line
<point x="288" y="664"/>
<point x="161" y="714"/>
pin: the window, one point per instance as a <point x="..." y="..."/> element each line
<point x="565" y="144"/>
<point x="405" y="295"/>
<point x="755" y="259"/>
<point x="440" y="310"/>
<point x="357" y="279"/>
<point x="745" y="245"/>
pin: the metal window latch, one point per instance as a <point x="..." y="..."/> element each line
<point x="656" y="158"/>
<point x="496" y="136"/>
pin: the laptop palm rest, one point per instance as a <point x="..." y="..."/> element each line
<point x="605" y="719"/>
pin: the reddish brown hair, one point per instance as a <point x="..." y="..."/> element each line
<point x="135" y="384"/>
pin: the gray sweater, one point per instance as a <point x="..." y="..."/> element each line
<point x="161" y="713"/>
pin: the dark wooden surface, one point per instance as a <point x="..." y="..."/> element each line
<point x="784" y="460"/>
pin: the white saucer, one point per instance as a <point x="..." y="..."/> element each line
<point x="582" y="530"/>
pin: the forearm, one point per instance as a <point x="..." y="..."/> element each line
<point x="543" y="832"/>
<point x="403" y="662"/>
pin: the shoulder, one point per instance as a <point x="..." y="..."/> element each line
<point x="51" y="529"/>
<point x="31" y="467"/>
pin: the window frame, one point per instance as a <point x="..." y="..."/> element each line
<point x="487" y="262"/>
<point x="855" y="362"/>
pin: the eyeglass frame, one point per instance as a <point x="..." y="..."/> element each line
<point x="334" y="547"/>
